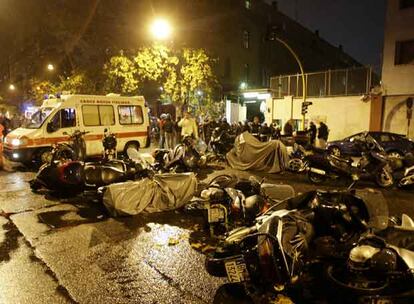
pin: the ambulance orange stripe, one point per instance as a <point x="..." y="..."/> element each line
<point x="44" y="141"/>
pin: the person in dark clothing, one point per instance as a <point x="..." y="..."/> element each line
<point x="177" y="131"/>
<point x="5" y="122"/>
<point x="275" y="131"/>
<point x="239" y="128"/>
<point x="169" y="132"/>
<point x="255" y="127"/>
<point x="265" y="133"/>
<point x="224" y="125"/>
<point x="312" y="133"/>
<point x="288" y="128"/>
<point x="323" y="133"/>
<point x="246" y="127"/>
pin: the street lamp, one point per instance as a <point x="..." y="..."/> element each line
<point x="243" y="86"/>
<point x="161" y="29"/>
<point x="302" y="73"/>
<point x="12" y="87"/>
<point x="50" y="67"/>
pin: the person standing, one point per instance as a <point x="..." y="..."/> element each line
<point x="161" y="123"/>
<point x="255" y="127"/>
<point x="323" y="133"/>
<point x="168" y="132"/>
<point x="312" y="133"/>
<point x="288" y="128"/>
<point x="188" y="126"/>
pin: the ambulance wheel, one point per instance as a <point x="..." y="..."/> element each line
<point x="133" y="145"/>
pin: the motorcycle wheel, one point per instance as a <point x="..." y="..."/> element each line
<point x="316" y="178"/>
<point x="295" y="165"/>
<point x="35" y="185"/>
<point x="64" y="155"/>
<point x="384" y="178"/>
<point x="358" y="285"/>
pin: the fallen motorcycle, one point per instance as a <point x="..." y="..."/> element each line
<point x="301" y="249"/>
<point x="232" y="202"/>
<point x="66" y="174"/>
<point x="403" y="170"/>
<point x="221" y="142"/>
<point x="183" y="158"/>
<point x="373" y="165"/>
<point x="297" y="158"/>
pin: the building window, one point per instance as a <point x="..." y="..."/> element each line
<point x="246" y="39"/>
<point x="404" y="52"/>
<point x="406" y="4"/>
<point x="247" y="4"/>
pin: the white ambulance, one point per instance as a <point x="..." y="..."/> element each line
<point x="126" y="117"/>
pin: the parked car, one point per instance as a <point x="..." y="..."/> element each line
<point x="396" y="145"/>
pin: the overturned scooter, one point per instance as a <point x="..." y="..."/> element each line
<point x="71" y="175"/>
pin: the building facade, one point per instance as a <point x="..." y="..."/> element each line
<point x="398" y="67"/>
<point x="237" y="34"/>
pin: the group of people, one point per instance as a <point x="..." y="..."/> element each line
<point x="172" y="131"/>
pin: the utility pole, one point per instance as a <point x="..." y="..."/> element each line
<point x="303" y="77"/>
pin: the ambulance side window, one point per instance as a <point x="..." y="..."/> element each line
<point x="129" y="115"/>
<point x="68" y="118"/>
<point x="101" y="115"/>
<point x="65" y="118"/>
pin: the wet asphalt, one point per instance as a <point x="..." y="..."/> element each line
<point x="69" y="250"/>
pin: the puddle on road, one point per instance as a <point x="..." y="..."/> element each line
<point x="10" y="242"/>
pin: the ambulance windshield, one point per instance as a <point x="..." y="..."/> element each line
<point x="38" y="118"/>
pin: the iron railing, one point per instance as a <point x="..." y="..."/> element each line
<point x="343" y="82"/>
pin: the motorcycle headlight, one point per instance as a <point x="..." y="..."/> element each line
<point x="19" y="141"/>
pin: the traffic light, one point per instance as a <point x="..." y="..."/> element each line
<point x="305" y="105"/>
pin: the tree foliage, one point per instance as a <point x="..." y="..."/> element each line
<point x="77" y="83"/>
<point x="180" y="73"/>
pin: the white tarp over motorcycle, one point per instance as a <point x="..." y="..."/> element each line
<point x="161" y="193"/>
<point x="249" y="153"/>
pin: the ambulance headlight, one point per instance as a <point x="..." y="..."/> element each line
<point x="19" y="141"/>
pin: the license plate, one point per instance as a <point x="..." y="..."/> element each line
<point x="236" y="270"/>
<point x="381" y="301"/>
<point x="318" y="171"/>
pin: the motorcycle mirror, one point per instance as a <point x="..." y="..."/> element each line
<point x="105" y="130"/>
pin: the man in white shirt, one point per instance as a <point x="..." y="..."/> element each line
<point x="188" y="126"/>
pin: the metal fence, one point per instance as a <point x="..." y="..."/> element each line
<point x="344" y="82"/>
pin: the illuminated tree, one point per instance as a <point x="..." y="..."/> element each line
<point x="180" y="73"/>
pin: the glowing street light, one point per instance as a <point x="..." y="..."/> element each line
<point x="50" y="67"/>
<point x="243" y="86"/>
<point x="199" y="93"/>
<point x="12" y="87"/>
<point x="161" y="29"/>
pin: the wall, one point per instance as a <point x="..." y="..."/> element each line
<point x="399" y="26"/>
<point x="395" y="116"/>
<point x="343" y="115"/>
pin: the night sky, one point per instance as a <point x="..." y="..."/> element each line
<point x="356" y="24"/>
